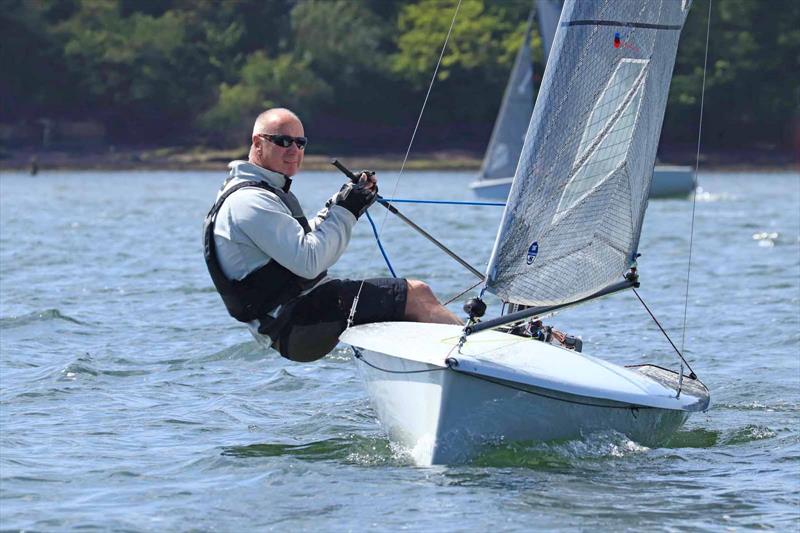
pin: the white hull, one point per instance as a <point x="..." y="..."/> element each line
<point x="444" y="414"/>
<point x="668" y="182"/>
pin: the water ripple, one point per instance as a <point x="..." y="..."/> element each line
<point x="129" y="400"/>
<point x="36" y="317"/>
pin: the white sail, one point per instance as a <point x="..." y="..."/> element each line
<point x="547" y="15"/>
<point x="572" y="223"/>
<point x="508" y="134"/>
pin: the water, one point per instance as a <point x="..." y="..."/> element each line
<point x="131" y="401"/>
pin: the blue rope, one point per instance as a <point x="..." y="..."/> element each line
<point x="383" y="252"/>
<point x="446" y="202"/>
<point x="411" y="201"/>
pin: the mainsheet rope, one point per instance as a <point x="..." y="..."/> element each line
<point x="408" y="150"/>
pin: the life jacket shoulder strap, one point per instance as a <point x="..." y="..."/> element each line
<point x="288" y="199"/>
<point x="269" y="286"/>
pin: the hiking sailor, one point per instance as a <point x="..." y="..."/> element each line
<point x="269" y="263"/>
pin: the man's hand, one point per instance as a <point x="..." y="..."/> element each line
<point x="369" y="179"/>
<point x="357" y="197"/>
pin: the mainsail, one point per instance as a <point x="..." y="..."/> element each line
<point x="572" y="223"/>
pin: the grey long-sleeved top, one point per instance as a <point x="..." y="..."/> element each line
<point x="253" y="227"/>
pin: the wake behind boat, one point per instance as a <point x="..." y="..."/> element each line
<point x="569" y="234"/>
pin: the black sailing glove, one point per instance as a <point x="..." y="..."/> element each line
<point x="356" y="198"/>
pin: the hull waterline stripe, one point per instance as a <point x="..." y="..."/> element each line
<point x="503" y="383"/>
<point x="633" y="407"/>
<point x="644" y="25"/>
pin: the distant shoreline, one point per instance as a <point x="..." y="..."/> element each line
<point x="154" y="159"/>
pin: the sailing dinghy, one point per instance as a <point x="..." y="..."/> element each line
<point x="569" y="234"/>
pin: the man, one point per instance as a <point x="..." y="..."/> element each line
<point x="269" y="263"/>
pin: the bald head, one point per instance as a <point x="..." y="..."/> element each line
<point x="272" y="117"/>
<point x="266" y="154"/>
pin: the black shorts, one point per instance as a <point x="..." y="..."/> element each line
<point x="317" y="319"/>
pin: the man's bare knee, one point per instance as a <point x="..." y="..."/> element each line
<point x="423" y="306"/>
<point x="419" y="291"/>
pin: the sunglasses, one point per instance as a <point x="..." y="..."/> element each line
<point x="285" y="141"/>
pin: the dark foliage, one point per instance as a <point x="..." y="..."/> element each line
<point x="183" y="71"/>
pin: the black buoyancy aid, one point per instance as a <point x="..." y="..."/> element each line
<point x="267" y="287"/>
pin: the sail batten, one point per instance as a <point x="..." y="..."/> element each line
<point x="573" y="220"/>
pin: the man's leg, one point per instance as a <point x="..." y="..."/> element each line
<point x="317" y="319"/>
<point x="422" y="305"/>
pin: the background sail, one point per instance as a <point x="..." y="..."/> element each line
<point x="508" y="134"/>
<point x="547" y="15"/>
<point x="572" y="223"/>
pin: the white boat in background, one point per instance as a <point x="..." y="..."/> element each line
<point x="669" y="181"/>
<point x="569" y="234"/>
<point x="672" y="181"/>
<point x="508" y="134"/>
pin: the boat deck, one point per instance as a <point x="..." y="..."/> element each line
<point x="669" y="379"/>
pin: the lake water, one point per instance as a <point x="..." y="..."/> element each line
<point x="131" y="401"/>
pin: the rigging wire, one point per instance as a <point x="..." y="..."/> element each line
<point x="462" y="293"/>
<point x="696" y="168"/>
<point x="692" y="375"/>
<point x="410" y="144"/>
<point x="424" y="103"/>
<point x="691" y="230"/>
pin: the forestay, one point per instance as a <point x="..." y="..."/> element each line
<point x="575" y="210"/>
<point x="508" y="134"/>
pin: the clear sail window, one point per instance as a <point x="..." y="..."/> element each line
<point x="608" y="132"/>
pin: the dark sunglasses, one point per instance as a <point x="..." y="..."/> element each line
<point x="285" y="141"/>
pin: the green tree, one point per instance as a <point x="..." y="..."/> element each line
<point x="35" y="81"/>
<point x="265" y="82"/>
<point x="358" y="70"/>
<point x="139" y="72"/>
<point x="483" y="42"/>
<point x="341" y="39"/>
<point x="752" y="79"/>
<point x="473" y="71"/>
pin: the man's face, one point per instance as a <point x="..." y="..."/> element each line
<point x="277" y="158"/>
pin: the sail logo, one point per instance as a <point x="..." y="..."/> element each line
<point x="620" y="43"/>
<point x="533" y="251"/>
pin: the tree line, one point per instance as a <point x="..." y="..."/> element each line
<point x="183" y="72"/>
